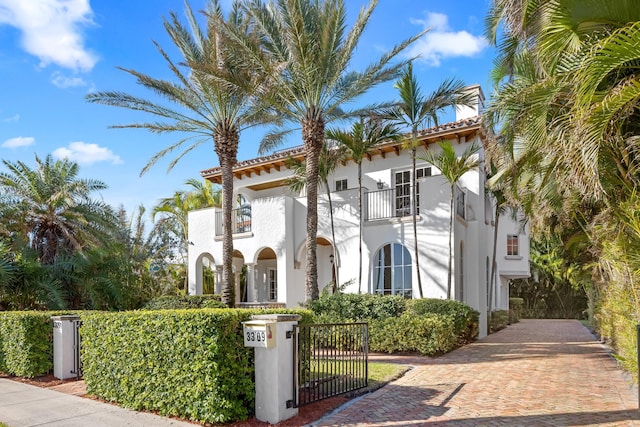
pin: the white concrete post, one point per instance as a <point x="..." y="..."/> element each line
<point x="273" y="364"/>
<point x="251" y="283"/>
<point x="64" y="352"/>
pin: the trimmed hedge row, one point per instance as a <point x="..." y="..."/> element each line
<point x="465" y="319"/>
<point x="516" y="308"/>
<point x="427" y="334"/>
<point x="187" y="363"/>
<point x="176" y="302"/>
<point x="26" y="342"/>
<point x="341" y="307"/>
<point x="498" y="320"/>
<point x="429" y="326"/>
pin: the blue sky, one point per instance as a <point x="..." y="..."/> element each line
<point x="54" y="52"/>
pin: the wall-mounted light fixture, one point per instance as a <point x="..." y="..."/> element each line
<point x="380" y="184"/>
<point x="331" y="258"/>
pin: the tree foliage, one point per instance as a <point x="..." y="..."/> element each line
<point x="567" y="107"/>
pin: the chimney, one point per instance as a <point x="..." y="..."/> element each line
<point x="477" y="106"/>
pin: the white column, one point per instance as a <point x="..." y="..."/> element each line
<point x="251" y="283"/>
<point x="274" y="370"/>
<point x="219" y="279"/>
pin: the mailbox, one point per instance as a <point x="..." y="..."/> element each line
<point x="259" y="333"/>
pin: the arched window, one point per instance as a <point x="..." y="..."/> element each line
<point x="392" y="271"/>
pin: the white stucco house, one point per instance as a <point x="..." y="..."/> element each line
<point x="270" y="226"/>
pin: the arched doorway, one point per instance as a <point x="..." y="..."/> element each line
<point x="267" y="269"/>
<point x="240" y="276"/>
<point x="206" y="275"/>
<point x="327" y="264"/>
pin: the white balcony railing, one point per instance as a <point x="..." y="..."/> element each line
<point x="240" y="220"/>
<point x="389" y="203"/>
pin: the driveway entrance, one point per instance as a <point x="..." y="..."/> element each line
<point x="534" y="373"/>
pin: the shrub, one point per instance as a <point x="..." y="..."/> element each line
<point x="187" y="363"/>
<point x="175" y="302"/>
<point x="465" y="319"/>
<point x="26" y="343"/>
<point x="498" y="320"/>
<point x="616" y="319"/>
<point x="516" y="307"/>
<point x="428" y="334"/>
<point x="341" y="307"/>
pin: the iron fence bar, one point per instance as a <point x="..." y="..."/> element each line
<point x="77" y="343"/>
<point x="296" y="364"/>
<point x="331" y="360"/>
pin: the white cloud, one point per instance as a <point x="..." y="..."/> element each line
<point x="442" y="42"/>
<point x="14" y="118"/>
<point x="86" y="154"/>
<point x="51" y="30"/>
<point x="20" y="141"/>
<point x="65" y="82"/>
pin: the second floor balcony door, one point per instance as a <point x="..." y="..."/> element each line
<point x="403" y="196"/>
<point x="403" y="193"/>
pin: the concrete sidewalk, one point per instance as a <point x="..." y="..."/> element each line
<point x="23" y="405"/>
<point x="534" y="373"/>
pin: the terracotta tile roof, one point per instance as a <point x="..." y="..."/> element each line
<point x="279" y="157"/>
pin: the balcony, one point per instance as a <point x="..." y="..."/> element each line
<point x="390" y="203"/>
<point x="240" y="221"/>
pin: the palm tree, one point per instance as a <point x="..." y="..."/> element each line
<point x="327" y="163"/>
<point x="203" y="194"/>
<point x="52" y="208"/>
<point x="174" y="212"/>
<point x="212" y="98"/>
<point x="306" y="52"/>
<point x="452" y="168"/>
<point x="414" y="110"/>
<point x="567" y="100"/>
<point x="358" y="141"/>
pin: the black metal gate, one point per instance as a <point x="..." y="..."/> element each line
<point x="329" y="359"/>
<point x="77" y="361"/>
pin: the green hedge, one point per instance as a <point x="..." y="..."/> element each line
<point x="176" y="302"/>
<point x="26" y="342"/>
<point x="187" y="363"/>
<point x="498" y="320"/>
<point x="516" y="308"/>
<point x="438" y="322"/>
<point x="341" y="307"/>
<point x="465" y="319"/>
<point x="428" y="334"/>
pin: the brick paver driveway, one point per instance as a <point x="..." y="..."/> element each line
<point x="534" y="373"/>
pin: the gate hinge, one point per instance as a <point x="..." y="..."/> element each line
<point x="290" y="403"/>
<point x="289" y="334"/>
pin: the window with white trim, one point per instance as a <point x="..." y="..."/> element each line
<point x="512" y="245"/>
<point x="341" y="184"/>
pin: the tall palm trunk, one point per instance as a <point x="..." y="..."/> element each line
<point x="226" y="146"/>
<point x="360" y="227"/>
<point x="334" y="265"/>
<point x="450" y="245"/>
<point x="414" y="209"/>
<point x="313" y="138"/>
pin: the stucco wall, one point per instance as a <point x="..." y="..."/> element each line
<point x="279" y="223"/>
